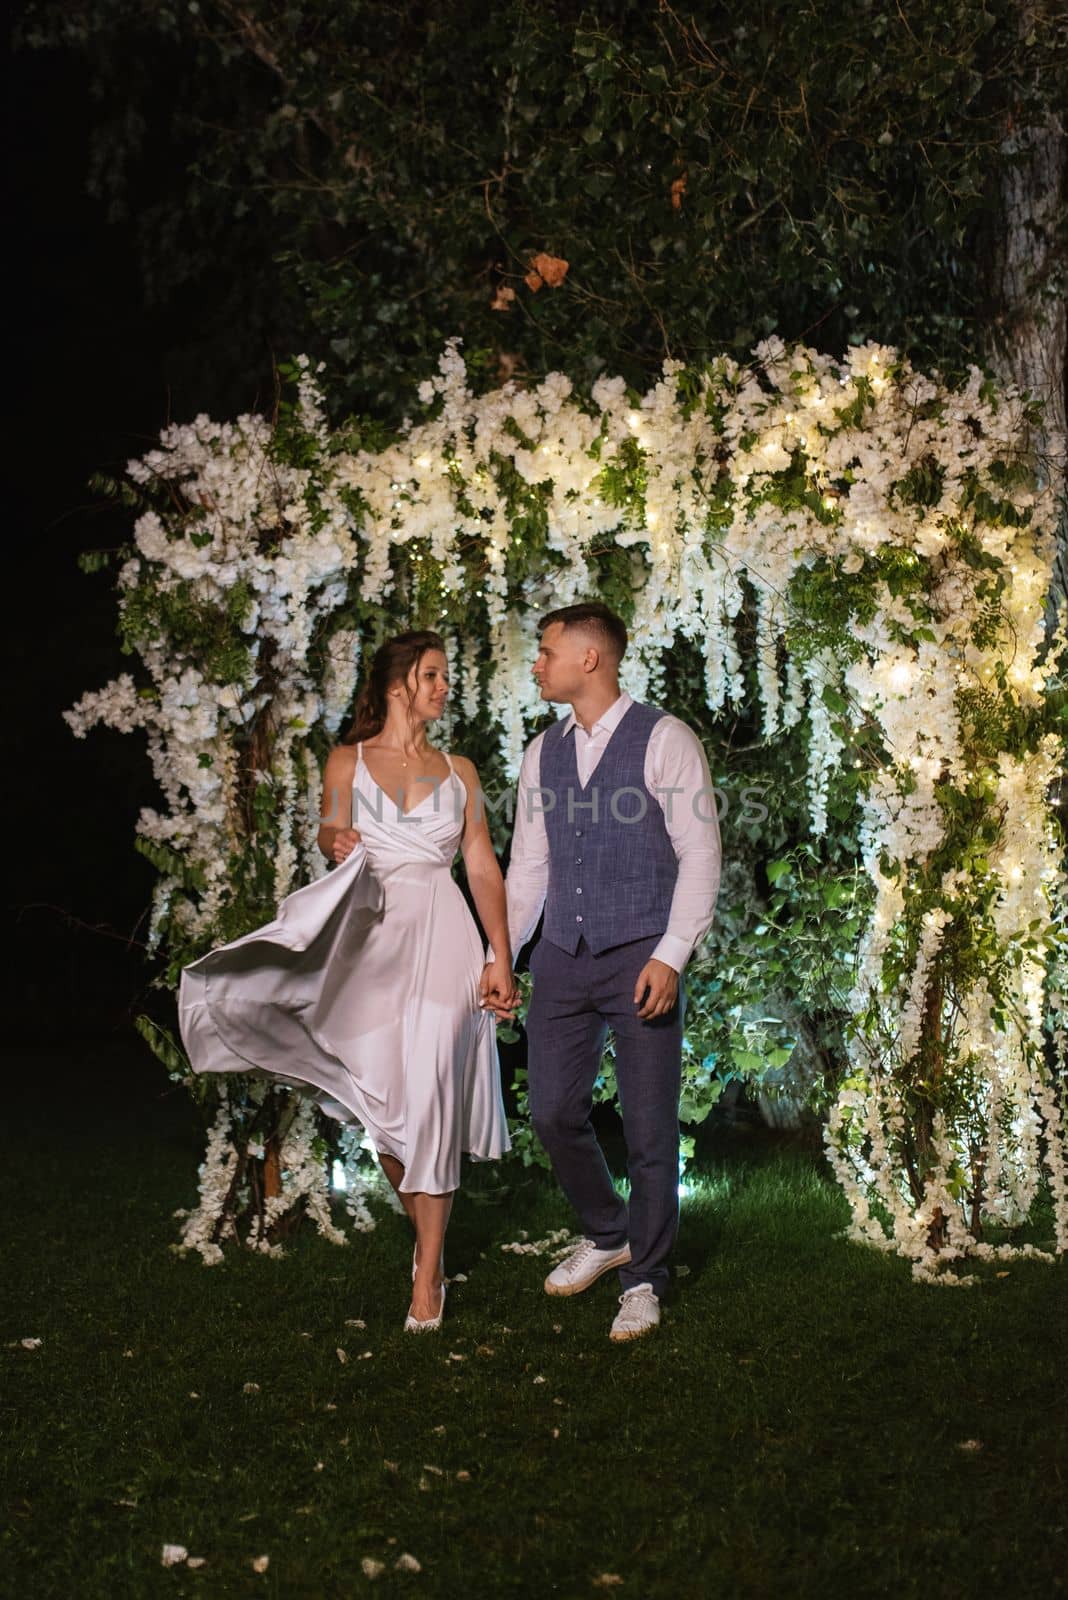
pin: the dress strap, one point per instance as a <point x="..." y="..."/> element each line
<point x="359" y="751"/>
<point x="448" y="759"/>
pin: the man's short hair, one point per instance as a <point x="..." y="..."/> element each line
<point x="609" y="630"/>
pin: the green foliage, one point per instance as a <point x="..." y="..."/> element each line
<point x="374" y="174"/>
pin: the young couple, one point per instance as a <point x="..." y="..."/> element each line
<point x="372" y="992"/>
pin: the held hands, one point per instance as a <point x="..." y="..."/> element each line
<point x="498" y="991"/>
<point x="659" y="984"/>
<point x="345" y="842"/>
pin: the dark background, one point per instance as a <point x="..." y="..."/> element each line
<point x="90" y="381"/>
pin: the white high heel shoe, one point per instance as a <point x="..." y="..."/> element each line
<point x="429" y="1324"/>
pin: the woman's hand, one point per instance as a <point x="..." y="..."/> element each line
<point x="498" y="990"/>
<point x="345" y="842"/>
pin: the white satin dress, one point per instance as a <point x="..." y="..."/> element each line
<point x="364" y="993"/>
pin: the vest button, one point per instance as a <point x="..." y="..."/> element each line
<point x="578" y="919"/>
<point x="578" y="891"/>
<point x="578" y="861"/>
<point x="578" y="833"/>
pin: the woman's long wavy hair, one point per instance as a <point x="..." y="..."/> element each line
<point x="391" y="663"/>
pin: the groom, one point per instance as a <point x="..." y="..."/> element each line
<point x="616" y="836"/>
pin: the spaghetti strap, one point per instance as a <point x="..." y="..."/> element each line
<point x="448" y="760"/>
<point x="359" y="752"/>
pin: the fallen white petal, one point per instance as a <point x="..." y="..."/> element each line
<point x="261" y="1563"/>
<point x="342" y="1356"/>
<point x="31" y="1344"/>
<point x="252" y="1388"/>
<point x="355" y="1322"/>
<point x="407" y="1563"/>
<point x="173" y="1555"/>
<point x="196" y="1561"/>
<point x="372" y="1568"/>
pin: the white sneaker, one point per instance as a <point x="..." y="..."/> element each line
<point x="584" y="1266"/>
<point x="639" y="1312"/>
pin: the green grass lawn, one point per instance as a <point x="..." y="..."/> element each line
<point x="807" y="1421"/>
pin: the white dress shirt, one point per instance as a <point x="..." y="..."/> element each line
<point x="676" y="774"/>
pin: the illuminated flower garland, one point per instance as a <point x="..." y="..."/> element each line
<point x="880" y="535"/>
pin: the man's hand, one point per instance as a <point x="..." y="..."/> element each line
<point x="659" y="984"/>
<point x="498" y="990"/>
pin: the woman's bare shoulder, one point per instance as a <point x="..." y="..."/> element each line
<point x="342" y="758"/>
<point x="464" y="766"/>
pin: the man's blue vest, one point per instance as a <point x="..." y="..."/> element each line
<point x="612" y="869"/>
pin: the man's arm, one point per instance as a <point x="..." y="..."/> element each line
<point x="676" y="771"/>
<point x="528" y="869"/>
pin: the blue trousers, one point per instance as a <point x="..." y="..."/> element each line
<point x="575" y="1000"/>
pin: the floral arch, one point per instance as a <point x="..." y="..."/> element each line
<point x="855" y="554"/>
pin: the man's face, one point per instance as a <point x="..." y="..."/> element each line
<point x="560" y="666"/>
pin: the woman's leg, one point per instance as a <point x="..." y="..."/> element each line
<point x="394" y="1171"/>
<point x="431" y="1218"/>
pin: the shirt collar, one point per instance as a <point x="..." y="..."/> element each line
<point x="608" y="721"/>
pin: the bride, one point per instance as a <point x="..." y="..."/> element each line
<point x="371" y="990"/>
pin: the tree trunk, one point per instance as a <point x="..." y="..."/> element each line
<point x="1028" y="334"/>
<point x="932" y="1054"/>
<point x="272" y="1169"/>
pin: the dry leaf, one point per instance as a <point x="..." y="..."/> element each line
<point x="970" y="1444"/>
<point x="607" y="1580"/>
<point x="533" y="281"/>
<point x="463" y="1476"/>
<point x="551" y="268"/>
<point x="678" y="189"/>
<point x="502" y="300"/>
<point x="251" y="1388"/>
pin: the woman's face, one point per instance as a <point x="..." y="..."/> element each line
<point x="428" y="685"/>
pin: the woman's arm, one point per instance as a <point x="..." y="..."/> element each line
<point x="337" y="838"/>
<point x="480" y="859"/>
<point x="487" y="890"/>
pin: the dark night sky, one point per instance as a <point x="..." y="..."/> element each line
<point x="87" y="385"/>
